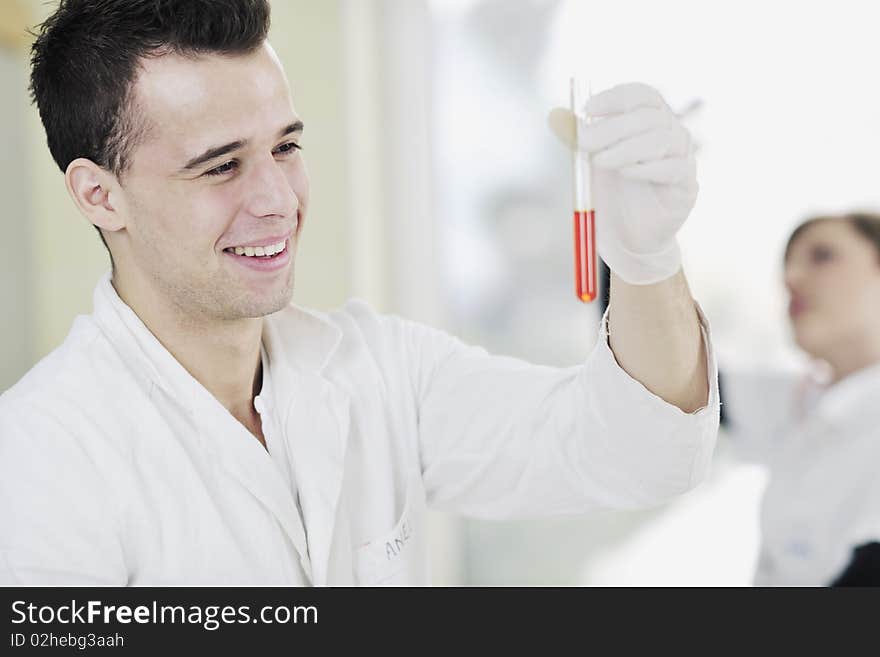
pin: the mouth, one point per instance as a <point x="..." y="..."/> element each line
<point x="269" y="256"/>
<point x="796" y="307"/>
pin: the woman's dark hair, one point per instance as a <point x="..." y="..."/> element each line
<point x="86" y="56"/>
<point x="866" y="223"/>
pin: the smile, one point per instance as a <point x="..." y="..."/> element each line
<point x="258" y="251"/>
<point x="264" y="259"/>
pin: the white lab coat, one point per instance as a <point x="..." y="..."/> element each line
<point x="822" y="447"/>
<point x="117" y="467"/>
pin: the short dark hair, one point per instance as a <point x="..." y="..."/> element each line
<point x="867" y="224"/>
<point x="86" y="55"/>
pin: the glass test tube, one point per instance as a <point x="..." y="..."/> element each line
<point x="586" y="279"/>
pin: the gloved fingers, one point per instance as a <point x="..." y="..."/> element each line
<point x="666" y="172"/>
<point x="595" y="136"/>
<point x="623" y="98"/>
<point x="657" y="144"/>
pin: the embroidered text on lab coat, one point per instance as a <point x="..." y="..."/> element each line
<point x="393" y="547"/>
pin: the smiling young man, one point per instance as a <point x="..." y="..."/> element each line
<point x="203" y="222"/>
<point x="198" y="428"/>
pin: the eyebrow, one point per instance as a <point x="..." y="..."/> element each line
<point x="216" y="151"/>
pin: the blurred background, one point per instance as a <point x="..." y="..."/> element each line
<point x="439" y="194"/>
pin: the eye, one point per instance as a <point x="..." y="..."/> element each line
<point x="289" y="147"/>
<point x="226" y="167"/>
<point x="821" y="254"/>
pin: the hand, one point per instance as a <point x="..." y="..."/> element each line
<point x="644" y="180"/>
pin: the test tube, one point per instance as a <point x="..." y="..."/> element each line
<point x="585" y="278"/>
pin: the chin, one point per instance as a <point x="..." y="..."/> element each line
<point x="815" y="342"/>
<point x="253" y="306"/>
<point x="807" y="344"/>
<point x="273" y="305"/>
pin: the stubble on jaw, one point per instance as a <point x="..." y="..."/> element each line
<point x="196" y="306"/>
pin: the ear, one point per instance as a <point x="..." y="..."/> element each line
<point x="95" y="192"/>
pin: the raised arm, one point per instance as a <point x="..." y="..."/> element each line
<point x="645" y="185"/>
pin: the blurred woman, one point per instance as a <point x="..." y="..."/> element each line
<point x="820" y="433"/>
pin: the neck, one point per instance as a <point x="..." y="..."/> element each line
<point x="222" y="355"/>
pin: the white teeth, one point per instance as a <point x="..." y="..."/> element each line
<point x="269" y="250"/>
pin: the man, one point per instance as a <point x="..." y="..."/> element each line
<point x="197" y="428"/>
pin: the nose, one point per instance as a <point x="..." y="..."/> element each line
<point x="270" y="192"/>
<point x="794" y="274"/>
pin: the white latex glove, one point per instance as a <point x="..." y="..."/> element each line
<point x="644" y="180"/>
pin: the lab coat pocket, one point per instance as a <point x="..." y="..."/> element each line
<point x="397" y="558"/>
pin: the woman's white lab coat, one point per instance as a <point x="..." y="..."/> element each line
<point x="822" y="447"/>
<point x="117" y="467"/>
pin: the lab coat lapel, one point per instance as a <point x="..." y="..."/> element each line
<point x="241" y="456"/>
<point x="317" y="430"/>
<point x="316" y="420"/>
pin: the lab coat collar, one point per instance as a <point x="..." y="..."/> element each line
<point x="852" y="398"/>
<point x="147" y="359"/>
<point x="310" y="340"/>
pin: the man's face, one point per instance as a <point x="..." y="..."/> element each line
<point x="218" y="176"/>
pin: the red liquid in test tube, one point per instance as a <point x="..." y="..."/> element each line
<point x="585" y="279"/>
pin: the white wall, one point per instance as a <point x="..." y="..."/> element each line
<point x="16" y="281"/>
